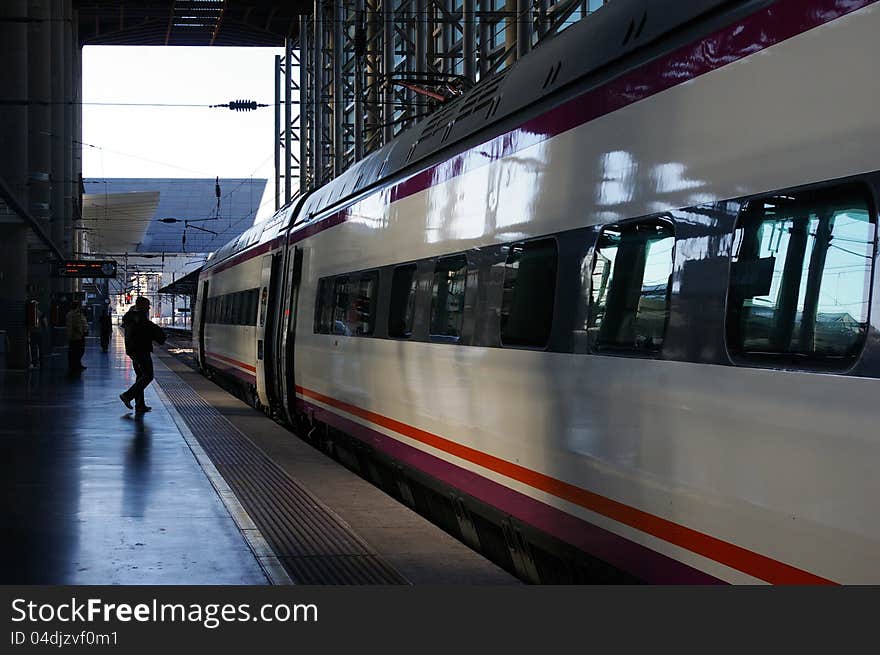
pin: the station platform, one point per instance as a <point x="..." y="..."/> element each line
<point x="201" y="490"/>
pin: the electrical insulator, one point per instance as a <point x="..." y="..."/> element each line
<point x="243" y="105"/>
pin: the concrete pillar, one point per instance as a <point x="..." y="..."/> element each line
<point x="14" y="86"/>
<point x="14" y="171"/>
<point x="13" y="293"/>
<point x="76" y="136"/>
<point x="39" y="108"/>
<point x="59" y="136"/>
<point x="69" y="126"/>
<point x="39" y="140"/>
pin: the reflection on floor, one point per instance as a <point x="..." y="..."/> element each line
<point x="95" y="495"/>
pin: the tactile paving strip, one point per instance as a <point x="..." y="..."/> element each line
<point x="314" y="545"/>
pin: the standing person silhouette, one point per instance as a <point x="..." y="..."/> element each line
<point x="77" y="329"/>
<point x="140" y="333"/>
<point x="106" y="327"/>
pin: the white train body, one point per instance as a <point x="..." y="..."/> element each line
<point x="689" y="465"/>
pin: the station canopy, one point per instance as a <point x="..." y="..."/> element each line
<point x="186" y="286"/>
<point x="118" y="222"/>
<point x="149" y="215"/>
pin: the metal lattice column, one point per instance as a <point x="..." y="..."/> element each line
<point x="291" y="133"/>
<point x="371" y="68"/>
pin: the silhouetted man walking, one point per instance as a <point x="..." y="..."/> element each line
<point x="140" y="333"/>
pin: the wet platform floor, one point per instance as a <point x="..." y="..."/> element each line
<point x="95" y="495"/>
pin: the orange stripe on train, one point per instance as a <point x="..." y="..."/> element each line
<point x="736" y="557"/>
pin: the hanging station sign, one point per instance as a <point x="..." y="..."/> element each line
<point x="86" y="268"/>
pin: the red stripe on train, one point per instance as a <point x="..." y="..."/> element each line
<point x="736" y="557"/>
<point x="229" y="360"/>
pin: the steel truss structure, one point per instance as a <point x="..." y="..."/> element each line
<point x="364" y="70"/>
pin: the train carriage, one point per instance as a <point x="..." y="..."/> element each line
<point x="608" y="315"/>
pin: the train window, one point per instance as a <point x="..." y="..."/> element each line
<point x="324" y="307"/>
<point x="242" y="307"/>
<point x="529" y="290"/>
<point x="403" y="301"/>
<point x="263" y="301"/>
<point x="630" y="286"/>
<point x="800" y="277"/>
<point x="236" y="308"/>
<point x="254" y="295"/>
<point x="364" y="303"/>
<point x="343" y="321"/>
<point x="447" y="302"/>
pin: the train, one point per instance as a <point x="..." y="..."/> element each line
<point x="605" y="317"/>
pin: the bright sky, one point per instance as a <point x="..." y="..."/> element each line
<point x="179" y="141"/>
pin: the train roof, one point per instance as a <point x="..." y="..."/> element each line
<point x="609" y="35"/>
<point x="620" y="35"/>
<point x="254" y="235"/>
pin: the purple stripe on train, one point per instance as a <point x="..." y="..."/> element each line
<point x="642" y="562"/>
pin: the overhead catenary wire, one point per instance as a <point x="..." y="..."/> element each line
<point x="236" y="105"/>
<point x="377" y="103"/>
<point x="147" y="159"/>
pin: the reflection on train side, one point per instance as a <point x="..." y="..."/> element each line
<point x="798" y="294"/>
<point x="800" y="279"/>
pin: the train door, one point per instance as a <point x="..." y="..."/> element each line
<point x="266" y="322"/>
<point x="203" y="317"/>
<point x="288" y="327"/>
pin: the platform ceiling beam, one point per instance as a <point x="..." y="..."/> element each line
<point x="189" y="22"/>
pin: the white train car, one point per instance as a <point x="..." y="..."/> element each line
<point x="232" y="315"/>
<point x="608" y="315"/>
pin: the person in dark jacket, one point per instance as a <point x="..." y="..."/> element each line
<point x="140" y="333"/>
<point x="106" y="327"/>
<point x="77" y="331"/>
